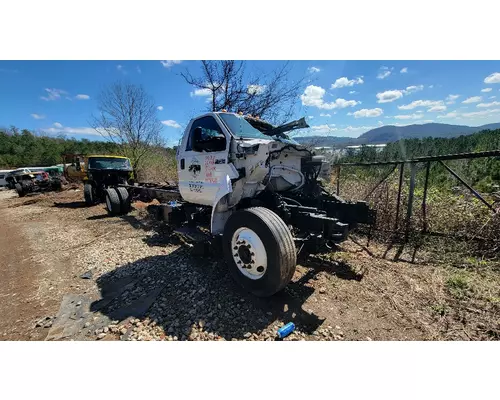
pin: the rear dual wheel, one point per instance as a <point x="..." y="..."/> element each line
<point x="117" y="201"/>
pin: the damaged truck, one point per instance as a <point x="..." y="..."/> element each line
<point x="257" y="192"/>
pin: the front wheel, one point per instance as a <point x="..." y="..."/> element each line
<point x="88" y="194"/>
<point x="259" y="250"/>
<point x="19" y="190"/>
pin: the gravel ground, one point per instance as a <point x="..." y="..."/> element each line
<point x="126" y="278"/>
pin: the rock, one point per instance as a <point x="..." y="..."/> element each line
<point x="247" y="335"/>
<point x="322" y="290"/>
<point x="101" y="335"/>
<point x="86" y="325"/>
<point x="87" y="275"/>
<point x="106" y="330"/>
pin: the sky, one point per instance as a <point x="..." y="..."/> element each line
<point x="339" y="98"/>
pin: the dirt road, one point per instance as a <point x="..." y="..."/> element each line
<point x="70" y="272"/>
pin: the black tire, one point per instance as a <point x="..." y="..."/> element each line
<point x="124" y="200"/>
<point x="56" y="185"/>
<point x="279" y="245"/>
<point x="19" y="190"/>
<point x="88" y="194"/>
<point x="113" y="204"/>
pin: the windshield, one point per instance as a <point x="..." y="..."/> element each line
<point x="239" y="127"/>
<point x="109" y="163"/>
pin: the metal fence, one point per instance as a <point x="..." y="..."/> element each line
<point x="394" y="195"/>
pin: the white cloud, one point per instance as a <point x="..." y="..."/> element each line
<point x="310" y="117"/>
<point x="312" y="70"/>
<point x="453" y="114"/>
<point x="121" y="68"/>
<point x="342" y="103"/>
<point x="139" y="71"/>
<point x="403" y="70"/>
<point x="486" y="90"/>
<point x="412" y="89"/>
<point x="389" y="96"/>
<point x="325" y="128"/>
<point x="201" y="92"/>
<point x="493" y="78"/>
<point x="58" y="128"/>
<point x="159" y="108"/>
<point x="171" y="123"/>
<point x="451" y="98"/>
<point x="384" y="72"/>
<point x="367" y="113"/>
<point x="437" y="108"/>
<point x="474" y="99"/>
<point x="256" y="89"/>
<point x="82" y="97"/>
<point x="38" y="116"/>
<point x="353" y="92"/>
<point x="380" y="123"/>
<point x="170" y="63"/>
<point x="431" y="86"/>
<point x="343" y="82"/>
<point x="53" y="94"/>
<point x="324" y="115"/>
<point x="488" y="105"/>
<point x="481" y="113"/>
<point x="421" y="103"/>
<point x="313" y="96"/>
<point x="492" y="97"/>
<point x="409" y="116"/>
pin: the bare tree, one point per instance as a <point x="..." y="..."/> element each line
<point x="127" y="116"/>
<point x="271" y="97"/>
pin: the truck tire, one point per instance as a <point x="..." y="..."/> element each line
<point x="259" y="250"/>
<point x="88" y="194"/>
<point x="56" y="184"/>
<point x="113" y="204"/>
<point x="124" y="200"/>
<point x="19" y="190"/>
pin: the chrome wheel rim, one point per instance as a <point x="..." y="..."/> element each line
<point x="249" y="253"/>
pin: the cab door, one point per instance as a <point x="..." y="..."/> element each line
<point x="202" y="161"/>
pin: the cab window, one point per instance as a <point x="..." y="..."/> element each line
<point x="206" y="136"/>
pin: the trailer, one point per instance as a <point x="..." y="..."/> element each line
<point x="257" y="192"/>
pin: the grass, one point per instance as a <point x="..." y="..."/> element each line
<point x="440" y="309"/>
<point x="458" y="285"/>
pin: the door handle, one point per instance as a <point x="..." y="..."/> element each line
<point x="182" y="163"/>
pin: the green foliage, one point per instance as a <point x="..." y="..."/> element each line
<point x="483" y="173"/>
<point x="23" y="148"/>
<point x="458" y="285"/>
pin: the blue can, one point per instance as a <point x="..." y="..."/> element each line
<point x="284" y="331"/>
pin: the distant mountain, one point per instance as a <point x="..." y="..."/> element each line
<point x="392" y="133"/>
<point x="327" y="141"/>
